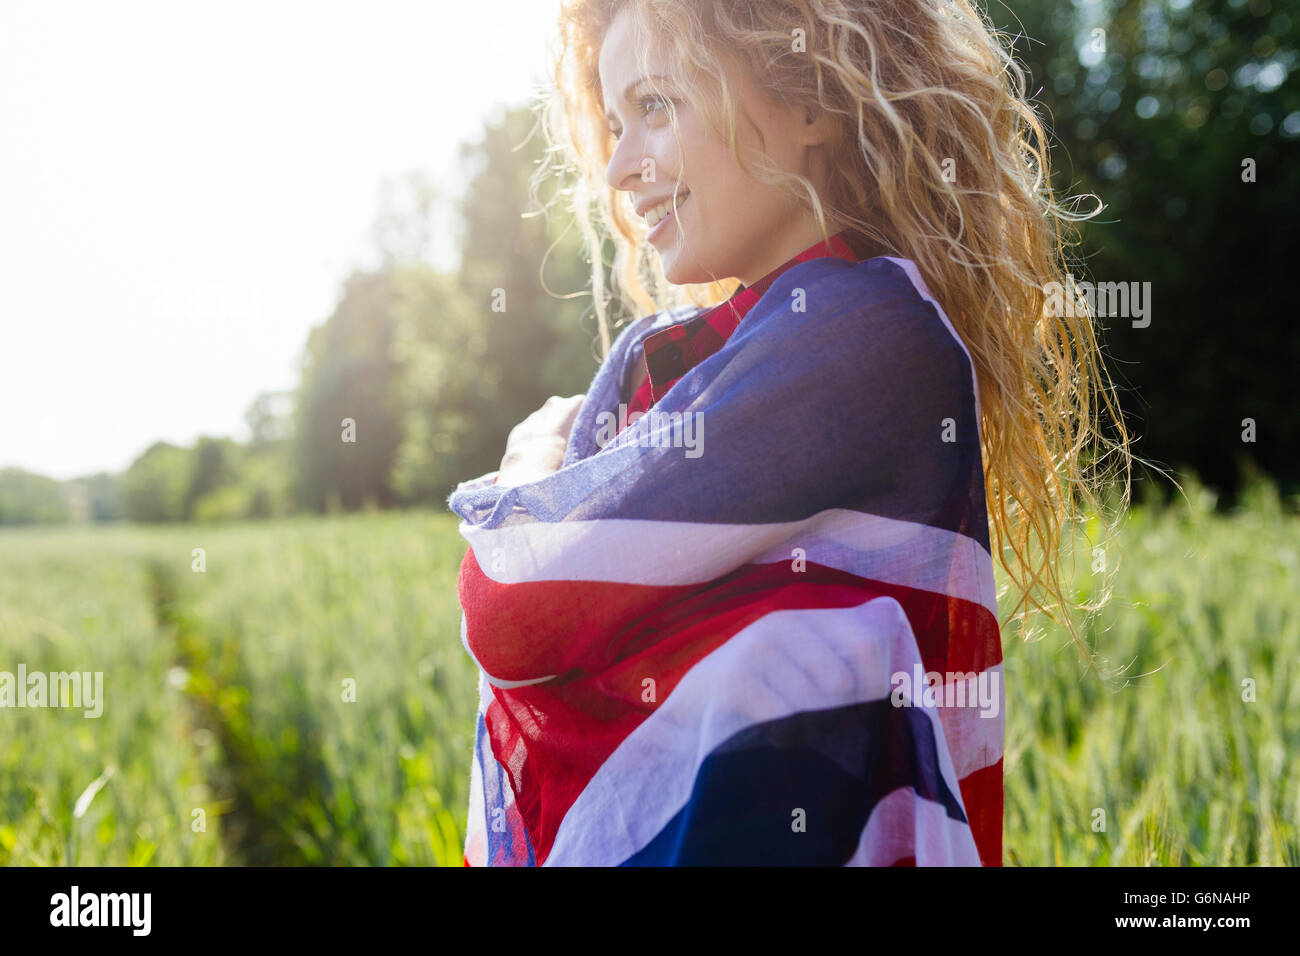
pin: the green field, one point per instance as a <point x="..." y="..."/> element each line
<point x="226" y="739"/>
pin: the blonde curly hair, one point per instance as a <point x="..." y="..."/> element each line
<point x="940" y="158"/>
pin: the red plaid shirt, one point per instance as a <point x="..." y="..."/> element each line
<point x="670" y="353"/>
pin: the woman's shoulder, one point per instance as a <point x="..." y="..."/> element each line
<point x="884" y="295"/>
<point x="879" y="309"/>
<point x="834" y="281"/>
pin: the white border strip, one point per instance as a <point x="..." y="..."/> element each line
<point x="885" y="549"/>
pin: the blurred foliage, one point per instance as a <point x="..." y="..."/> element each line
<point x="350" y="376"/>
<point x="538" y="345"/>
<point x="96" y="497"/>
<point x="442" y="347"/>
<point x="448" y="364"/>
<point x="214" y="466"/>
<point x="27" y="498"/>
<point x="154" y="488"/>
<point x="1153" y="106"/>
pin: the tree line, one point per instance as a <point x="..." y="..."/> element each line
<point x="409" y="386"/>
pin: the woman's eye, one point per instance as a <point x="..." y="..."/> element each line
<point x="649" y="106"/>
<point x="653" y="101"/>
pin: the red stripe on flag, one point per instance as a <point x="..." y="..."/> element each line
<point x="533" y="629"/>
<point x="981" y="793"/>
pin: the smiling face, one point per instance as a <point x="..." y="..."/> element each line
<point x="725" y="224"/>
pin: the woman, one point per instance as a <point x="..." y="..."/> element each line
<point x="736" y="603"/>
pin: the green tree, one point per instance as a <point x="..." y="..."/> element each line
<point x="516" y="262"/>
<point x="104" y="493"/>
<point x="483" y="349"/>
<point x="348" y="412"/>
<point x="29" y="498"/>
<point x="215" y="464"/>
<point x="269" y="418"/>
<point x="154" y="487"/>
<point x="94" y="498"/>
<point x="441" y="343"/>
<point x="1162" y="108"/>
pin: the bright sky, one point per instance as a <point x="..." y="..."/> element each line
<point x="185" y="186"/>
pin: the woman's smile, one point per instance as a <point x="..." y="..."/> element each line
<point x="658" y="215"/>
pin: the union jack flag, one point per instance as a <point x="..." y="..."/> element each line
<point x="757" y="626"/>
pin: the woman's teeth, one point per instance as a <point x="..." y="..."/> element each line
<point x="654" y="216"/>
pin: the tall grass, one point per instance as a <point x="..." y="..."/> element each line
<point x="76" y="600"/>
<point x="1184" y="767"/>
<point x="229" y="736"/>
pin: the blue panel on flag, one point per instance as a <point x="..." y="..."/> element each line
<point x="835" y="765"/>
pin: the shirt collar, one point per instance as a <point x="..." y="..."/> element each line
<point x="670" y="353"/>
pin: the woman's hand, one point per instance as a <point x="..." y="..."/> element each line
<point x="536" y="445"/>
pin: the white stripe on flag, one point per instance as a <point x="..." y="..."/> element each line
<point x="975" y="737"/>
<point x="884" y="549"/>
<point x="902" y="824"/>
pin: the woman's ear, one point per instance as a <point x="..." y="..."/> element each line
<point x="817" y="126"/>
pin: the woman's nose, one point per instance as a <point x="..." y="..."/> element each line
<point x="625" y="163"/>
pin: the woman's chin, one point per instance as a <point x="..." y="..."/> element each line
<point x="679" y="272"/>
